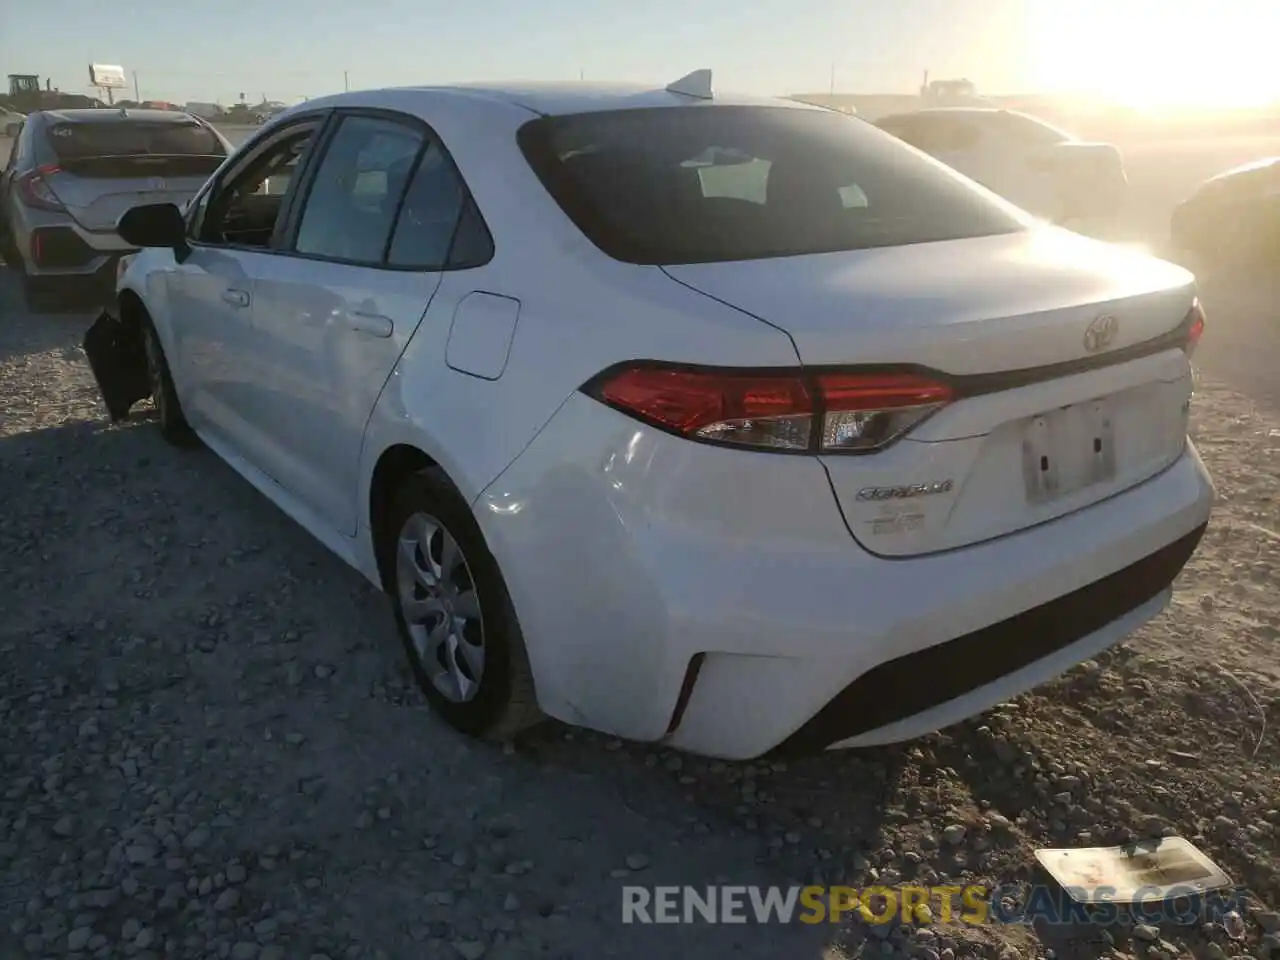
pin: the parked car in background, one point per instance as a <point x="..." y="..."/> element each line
<point x="1232" y="219"/>
<point x="72" y="173"/>
<point x="204" y="110"/>
<point x="719" y="421"/>
<point x="10" y="121"/>
<point x="265" y="111"/>
<point x="1026" y="160"/>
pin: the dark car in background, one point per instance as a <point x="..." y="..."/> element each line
<point x="1232" y="219"/>
<point x="72" y="173"/>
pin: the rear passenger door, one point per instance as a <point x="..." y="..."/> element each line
<point x="368" y="242"/>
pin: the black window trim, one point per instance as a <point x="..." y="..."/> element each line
<point x="291" y="219"/>
<point x="245" y="157"/>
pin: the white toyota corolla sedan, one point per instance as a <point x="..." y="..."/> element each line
<point x="732" y="423"/>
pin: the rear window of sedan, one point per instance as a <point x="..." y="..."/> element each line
<point x="703" y="184"/>
<point x="128" y="138"/>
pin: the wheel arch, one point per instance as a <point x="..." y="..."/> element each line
<point x="393" y="465"/>
<point x="133" y="311"/>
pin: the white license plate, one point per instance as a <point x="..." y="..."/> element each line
<point x="1068" y="449"/>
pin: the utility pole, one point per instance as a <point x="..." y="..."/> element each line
<point x="137" y="97"/>
<point x="346" y="83"/>
<point x="833" y="79"/>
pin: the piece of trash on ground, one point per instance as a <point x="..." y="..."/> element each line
<point x="1147" y="872"/>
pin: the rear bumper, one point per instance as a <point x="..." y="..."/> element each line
<point x="1095" y="201"/>
<point x="716" y="599"/>
<point x="924" y="690"/>
<point x="93" y="289"/>
<point x="66" y="248"/>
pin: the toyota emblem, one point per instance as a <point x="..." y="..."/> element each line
<point x="1100" y="334"/>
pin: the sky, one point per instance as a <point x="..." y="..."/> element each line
<point x="1139" y="52"/>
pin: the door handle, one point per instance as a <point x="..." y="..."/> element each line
<point x="372" y="323"/>
<point x="237" y="298"/>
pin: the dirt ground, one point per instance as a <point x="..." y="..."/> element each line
<point x="214" y="750"/>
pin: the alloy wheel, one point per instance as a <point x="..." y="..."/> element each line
<point x="440" y="606"/>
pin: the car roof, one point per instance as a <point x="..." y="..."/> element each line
<point x="120" y="115"/>
<point x="1251" y="166"/>
<point x="551" y="98"/>
<point x="950" y="112"/>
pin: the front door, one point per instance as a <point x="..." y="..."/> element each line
<point x="367" y="250"/>
<point x="234" y="228"/>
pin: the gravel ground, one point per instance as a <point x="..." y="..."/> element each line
<point x="214" y="749"/>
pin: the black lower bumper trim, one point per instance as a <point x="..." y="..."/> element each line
<point x="96" y="289"/>
<point x="59" y="248"/>
<point x="912" y="684"/>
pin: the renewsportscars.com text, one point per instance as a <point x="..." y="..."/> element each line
<point x="973" y="904"/>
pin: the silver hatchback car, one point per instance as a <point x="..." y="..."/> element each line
<point x="72" y="173"/>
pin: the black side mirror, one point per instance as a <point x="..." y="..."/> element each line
<point x="155" y="225"/>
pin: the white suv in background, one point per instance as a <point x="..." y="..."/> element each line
<point x="1026" y="160"/>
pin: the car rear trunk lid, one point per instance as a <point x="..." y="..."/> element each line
<point x="96" y="192"/>
<point x="1063" y="353"/>
<point x="105" y="165"/>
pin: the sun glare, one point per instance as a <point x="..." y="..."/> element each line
<point x="1149" y="55"/>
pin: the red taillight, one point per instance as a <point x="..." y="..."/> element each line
<point x="36" y="193"/>
<point x="823" y="412"/>
<point x="1195" y="327"/>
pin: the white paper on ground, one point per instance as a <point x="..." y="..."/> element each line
<point x="1148" y="872"/>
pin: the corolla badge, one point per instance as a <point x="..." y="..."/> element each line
<point x="906" y="492"/>
<point x="1101" y="333"/>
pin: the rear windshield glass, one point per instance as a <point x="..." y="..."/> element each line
<point x="1031" y="129"/>
<point x="77" y="141"/>
<point x="713" y="183"/>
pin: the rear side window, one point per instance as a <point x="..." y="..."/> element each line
<point x="387" y="192"/>
<point x="708" y="183"/>
<point x="80" y="141"/>
<point x="1026" y="129"/>
<point x="353" y="202"/>
<point x="933" y="133"/>
<point x="429" y="215"/>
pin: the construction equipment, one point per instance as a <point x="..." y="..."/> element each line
<point x="949" y="93"/>
<point x="27" y="96"/>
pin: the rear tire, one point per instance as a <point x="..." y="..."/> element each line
<point x="453" y="612"/>
<point x="173" y="422"/>
<point x="8" y="251"/>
